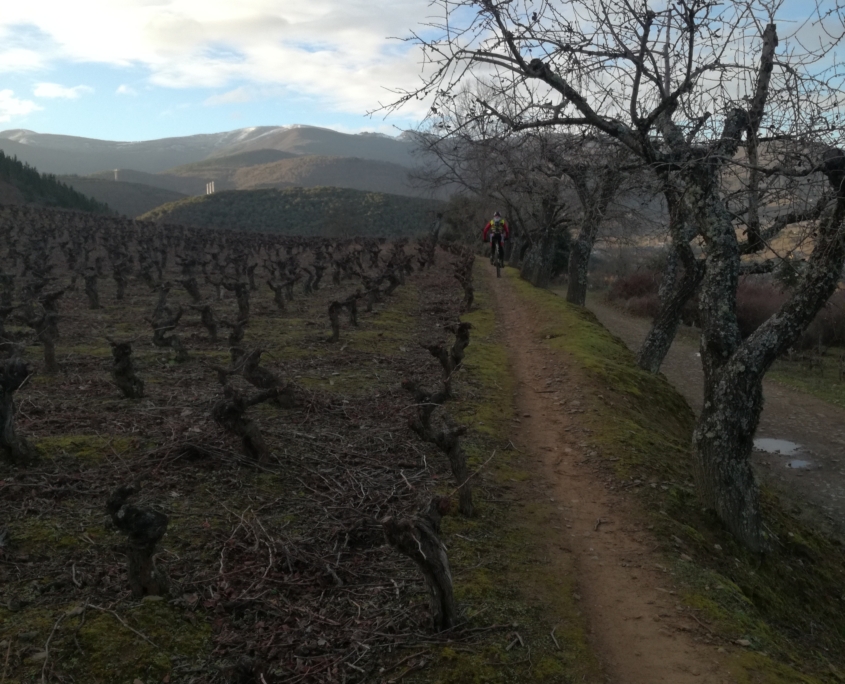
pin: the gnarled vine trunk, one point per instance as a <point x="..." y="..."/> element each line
<point x="15" y="448"/>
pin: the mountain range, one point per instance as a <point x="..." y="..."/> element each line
<point x="136" y="177"/>
<point x="65" y="154"/>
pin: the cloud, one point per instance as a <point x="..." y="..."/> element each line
<point x="54" y="90"/>
<point x="20" y="60"/>
<point x="242" y="94"/>
<point x="124" y="89"/>
<point x="11" y="106"/>
<point x="334" y="52"/>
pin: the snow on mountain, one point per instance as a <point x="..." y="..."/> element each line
<point x="63" y="154"/>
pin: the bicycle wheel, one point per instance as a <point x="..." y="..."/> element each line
<point x="498" y="268"/>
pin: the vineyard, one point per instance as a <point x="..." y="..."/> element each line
<point x="228" y="457"/>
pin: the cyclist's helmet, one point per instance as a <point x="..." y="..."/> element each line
<point x="497" y="215"/>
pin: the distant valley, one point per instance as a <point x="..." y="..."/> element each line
<point x="136" y="177"/>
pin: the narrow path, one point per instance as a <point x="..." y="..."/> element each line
<point x="642" y="633"/>
<point x="819" y="427"/>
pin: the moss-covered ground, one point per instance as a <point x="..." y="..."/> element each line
<point x="500" y="557"/>
<point x="278" y="568"/>
<point x="821" y="376"/>
<point x="784" y="608"/>
<point x="248" y="545"/>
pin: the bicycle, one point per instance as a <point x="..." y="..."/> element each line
<point x="499" y="259"/>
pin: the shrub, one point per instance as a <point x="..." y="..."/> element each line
<point x="756" y="301"/>
<point x="637" y="284"/>
<point x="646" y="306"/>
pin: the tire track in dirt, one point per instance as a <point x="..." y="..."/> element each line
<point x="638" y="627"/>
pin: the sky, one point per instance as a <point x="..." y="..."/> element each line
<point x="146" y="69"/>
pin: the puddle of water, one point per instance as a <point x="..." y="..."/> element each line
<point x="776" y="446"/>
<point x="797" y="463"/>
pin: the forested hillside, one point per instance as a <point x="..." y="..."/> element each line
<point x="330" y="212"/>
<point x="127" y="198"/>
<point x="44" y="189"/>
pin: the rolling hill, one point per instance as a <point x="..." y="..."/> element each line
<point x="65" y="154"/>
<point x="330" y="212"/>
<point x="235" y="173"/>
<point x="129" y="199"/>
<point x="137" y="192"/>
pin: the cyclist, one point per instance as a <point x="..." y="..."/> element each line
<point x="497" y="231"/>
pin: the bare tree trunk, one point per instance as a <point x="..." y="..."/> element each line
<point x="123" y="370"/>
<point x="673" y="294"/>
<point x="208" y="320"/>
<point x="449" y="442"/>
<point x="47" y="333"/>
<point x="230" y="413"/>
<point x="539" y="261"/>
<point x="724" y="434"/>
<point x="334" y="318"/>
<point x="595" y="201"/>
<point x="120" y="281"/>
<point x="673" y="298"/>
<point x="91" y="291"/>
<point x="419" y="540"/>
<point x="192" y="288"/>
<point x="14" y="447"/>
<point x="579" y="264"/>
<point x="144" y="528"/>
<point x="519" y="246"/>
<point x="451" y="358"/>
<point x="278" y="295"/>
<point x="241" y="291"/>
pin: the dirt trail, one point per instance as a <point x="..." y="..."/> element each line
<point x="639" y="629"/>
<point x="819" y="427"/>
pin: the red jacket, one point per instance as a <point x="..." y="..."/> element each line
<point x="489" y="228"/>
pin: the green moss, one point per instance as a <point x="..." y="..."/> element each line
<point x="465" y="668"/>
<point x="114" y="653"/>
<point x="824" y="383"/>
<point x="486" y="365"/>
<point x="499" y="558"/>
<point x="548" y="669"/>
<point x="33" y="534"/>
<point x="87" y="448"/>
<point x="749" y="667"/>
<point x="789" y="605"/>
<point x="100" y="351"/>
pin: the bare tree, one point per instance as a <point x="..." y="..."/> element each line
<point x="549" y="182"/>
<point x="683" y="89"/>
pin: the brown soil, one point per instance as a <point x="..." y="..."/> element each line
<point x="819" y="427"/>
<point x="640" y="630"/>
